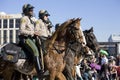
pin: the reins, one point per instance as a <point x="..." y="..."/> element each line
<point x="59" y="51"/>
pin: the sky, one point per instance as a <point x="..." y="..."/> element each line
<point x="102" y="15"/>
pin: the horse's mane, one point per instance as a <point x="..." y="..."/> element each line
<point x="58" y="30"/>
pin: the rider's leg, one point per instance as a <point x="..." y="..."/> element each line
<point x="36" y="57"/>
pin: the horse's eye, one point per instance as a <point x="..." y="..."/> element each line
<point x="93" y="36"/>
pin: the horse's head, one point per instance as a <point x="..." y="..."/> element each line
<point x="59" y="33"/>
<point x="69" y="30"/>
<point x="73" y="31"/>
<point x="91" y="40"/>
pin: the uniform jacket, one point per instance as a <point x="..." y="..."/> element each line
<point x="27" y="26"/>
<point x="42" y="28"/>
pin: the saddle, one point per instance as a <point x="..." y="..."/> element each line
<point x="12" y="52"/>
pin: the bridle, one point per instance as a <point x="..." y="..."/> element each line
<point x="58" y="51"/>
<point x="73" y="31"/>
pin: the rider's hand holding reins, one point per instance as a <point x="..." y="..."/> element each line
<point x="36" y="33"/>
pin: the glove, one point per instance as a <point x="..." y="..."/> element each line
<point x="50" y="25"/>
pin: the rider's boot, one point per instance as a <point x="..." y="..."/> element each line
<point x="38" y="67"/>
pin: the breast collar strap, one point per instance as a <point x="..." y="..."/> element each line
<point x="59" y="51"/>
<point x="31" y="21"/>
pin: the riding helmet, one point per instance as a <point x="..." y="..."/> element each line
<point x="27" y="7"/>
<point x="43" y="13"/>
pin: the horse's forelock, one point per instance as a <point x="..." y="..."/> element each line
<point x="65" y="24"/>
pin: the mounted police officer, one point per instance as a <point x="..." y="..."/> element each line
<point x="43" y="24"/>
<point x="27" y="35"/>
<point x="43" y="27"/>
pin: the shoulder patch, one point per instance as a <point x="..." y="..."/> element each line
<point x="23" y="20"/>
<point x="37" y="22"/>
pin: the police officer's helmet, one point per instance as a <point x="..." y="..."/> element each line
<point x="27" y="7"/>
<point x="43" y="13"/>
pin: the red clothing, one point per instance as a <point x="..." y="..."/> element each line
<point x="118" y="70"/>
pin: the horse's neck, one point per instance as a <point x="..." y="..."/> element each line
<point x="53" y="38"/>
<point x="50" y="42"/>
<point x="60" y="29"/>
<point x="57" y="43"/>
<point x="56" y="38"/>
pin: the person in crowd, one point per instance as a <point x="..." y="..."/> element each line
<point x="27" y="35"/>
<point x="104" y="72"/>
<point x="118" y="60"/>
<point x="85" y="70"/>
<point x="104" y="60"/>
<point x="112" y="68"/>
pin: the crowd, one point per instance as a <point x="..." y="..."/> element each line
<point x="102" y="67"/>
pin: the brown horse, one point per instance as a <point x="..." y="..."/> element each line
<point x="67" y="36"/>
<point x="66" y="33"/>
<point x="75" y="50"/>
<point x="65" y="39"/>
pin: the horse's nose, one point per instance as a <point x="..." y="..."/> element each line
<point x="83" y="44"/>
<point x="90" y="52"/>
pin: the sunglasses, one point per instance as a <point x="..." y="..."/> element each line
<point x="31" y="10"/>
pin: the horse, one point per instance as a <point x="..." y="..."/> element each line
<point x="61" y="41"/>
<point x="69" y="40"/>
<point x="91" y="40"/>
<point x="54" y="62"/>
<point x="71" y="53"/>
<point x="70" y="34"/>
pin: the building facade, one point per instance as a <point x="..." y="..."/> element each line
<point x="9" y="26"/>
<point x="115" y="38"/>
<point x="112" y="46"/>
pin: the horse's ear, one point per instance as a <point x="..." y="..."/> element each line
<point x="91" y="29"/>
<point x="73" y="18"/>
<point x="80" y="19"/>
